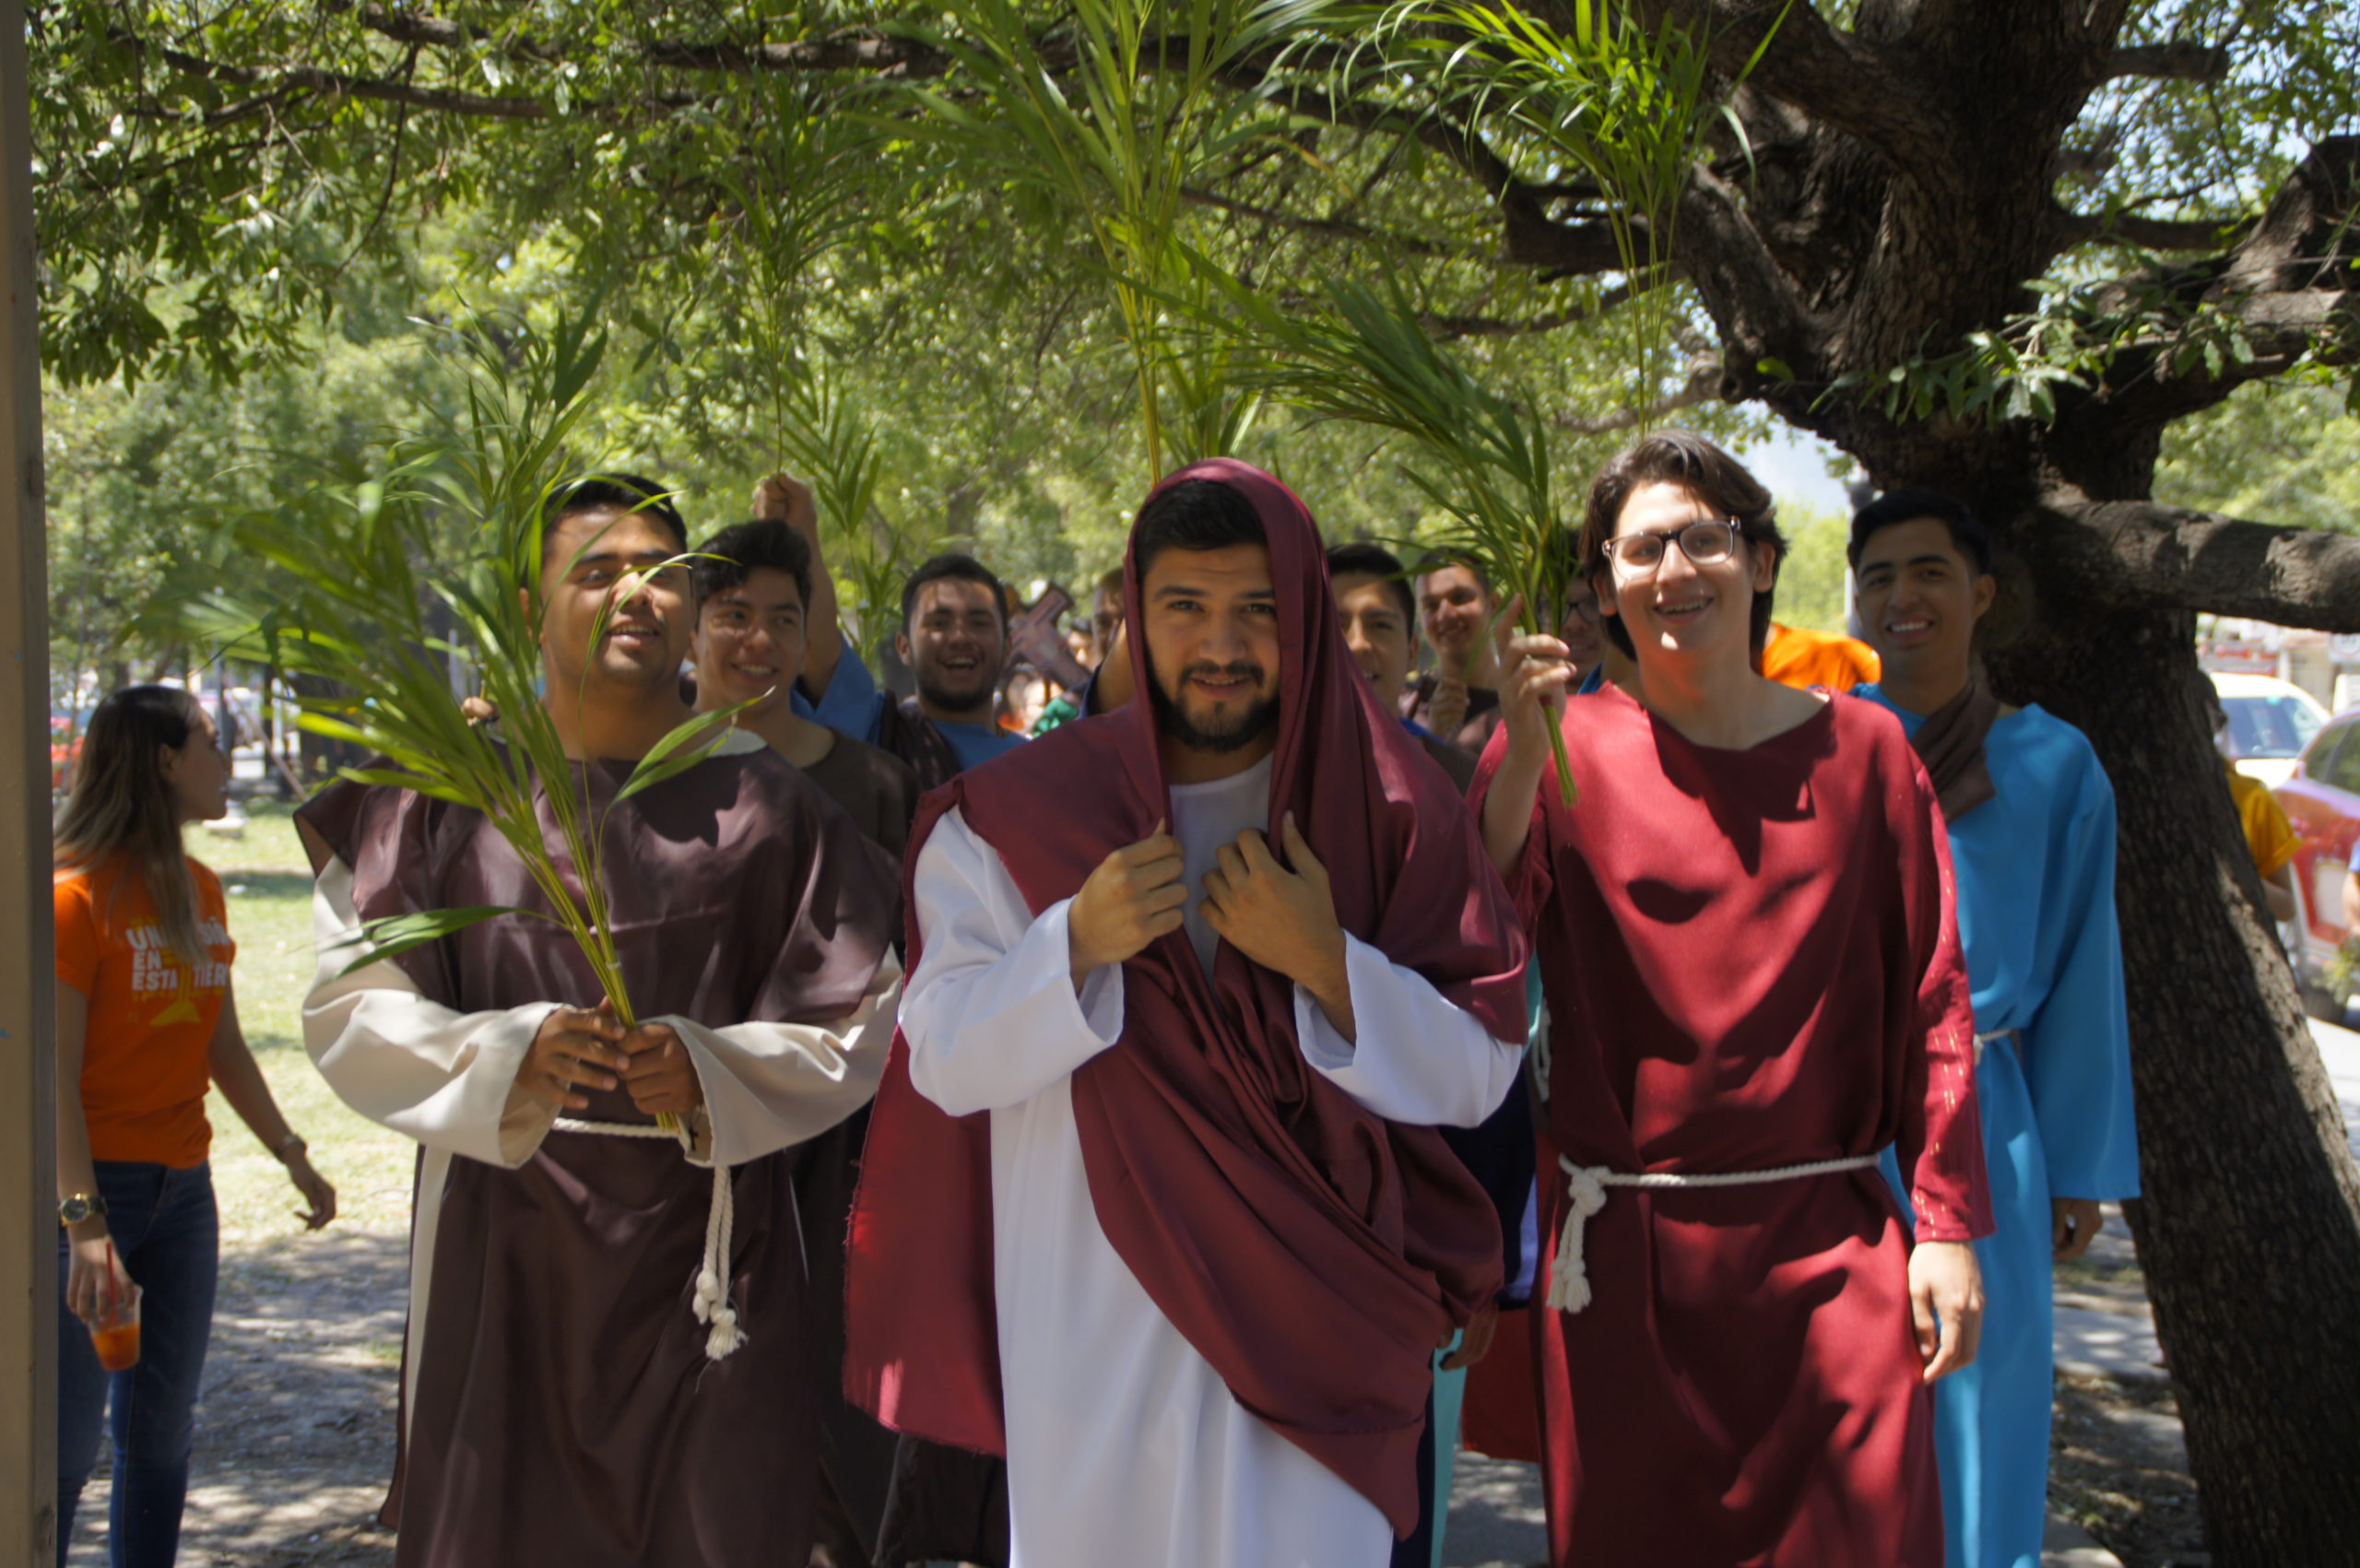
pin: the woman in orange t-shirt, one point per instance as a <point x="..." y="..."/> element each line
<point x="145" y="1021"/>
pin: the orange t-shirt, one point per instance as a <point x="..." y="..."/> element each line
<point x="145" y="1066"/>
<point x="1801" y="658"/>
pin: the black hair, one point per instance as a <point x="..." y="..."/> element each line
<point x="1363" y="559"/>
<point x="626" y="493"/>
<point x="1711" y="476"/>
<point x="726" y="560"/>
<point x="1438" y="560"/>
<point x="952" y="566"/>
<point x="1195" y="514"/>
<point x="1894" y="508"/>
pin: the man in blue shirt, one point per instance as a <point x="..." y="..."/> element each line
<point x="953" y="637"/>
<point x="2030" y="818"/>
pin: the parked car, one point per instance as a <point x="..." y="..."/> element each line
<point x="2271" y="721"/>
<point x="64" y="751"/>
<point x="2322" y="801"/>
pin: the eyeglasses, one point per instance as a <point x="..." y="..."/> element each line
<point x="1703" y="543"/>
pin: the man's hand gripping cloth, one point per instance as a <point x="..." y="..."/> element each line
<point x="1314" y="1253"/>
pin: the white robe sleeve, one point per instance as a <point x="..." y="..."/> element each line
<point x="444" y="1078"/>
<point x="1419" y="1059"/>
<point x="770" y="1085"/>
<point x="991" y="1016"/>
<point x="448" y="1079"/>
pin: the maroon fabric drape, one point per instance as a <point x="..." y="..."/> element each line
<point x="1314" y="1253"/>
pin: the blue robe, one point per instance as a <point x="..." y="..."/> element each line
<point x="2044" y="954"/>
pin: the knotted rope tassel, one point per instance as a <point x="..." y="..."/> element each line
<point x="711" y="1303"/>
<point x="1586" y="1186"/>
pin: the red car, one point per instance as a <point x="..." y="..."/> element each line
<point x="2322" y="801"/>
<point x="64" y="751"/>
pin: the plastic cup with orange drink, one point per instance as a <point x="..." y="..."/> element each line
<point x="114" y="1333"/>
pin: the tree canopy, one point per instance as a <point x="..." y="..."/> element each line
<point x="2006" y="247"/>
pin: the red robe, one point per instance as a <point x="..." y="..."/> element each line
<point x="1752" y="963"/>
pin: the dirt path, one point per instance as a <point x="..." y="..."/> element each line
<point x="295" y="1435"/>
<point x="295" y="1425"/>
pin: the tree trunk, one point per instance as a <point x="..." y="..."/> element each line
<point x="2248" y="1231"/>
<point x="320" y="756"/>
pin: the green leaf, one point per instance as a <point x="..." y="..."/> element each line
<point x="398" y="934"/>
<point x="676" y="754"/>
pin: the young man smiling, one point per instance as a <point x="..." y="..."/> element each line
<point x="1744" y="930"/>
<point x="753" y="584"/>
<point x="1458" y="701"/>
<point x="2030" y="820"/>
<point x="1153" y="1202"/>
<point x="561" y="1401"/>
<point x="953" y="637"/>
<point x="1380" y="619"/>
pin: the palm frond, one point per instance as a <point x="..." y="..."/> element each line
<point x="386" y="581"/>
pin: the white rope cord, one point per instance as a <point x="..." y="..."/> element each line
<point x="1982" y="1040"/>
<point x="1569" y="1276"/>
<point x="712" y="1304"/>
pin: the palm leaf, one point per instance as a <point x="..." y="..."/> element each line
<point x="398" y="934"/>
<point x="354" y="610"/>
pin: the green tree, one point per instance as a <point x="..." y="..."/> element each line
<point x="2001" y="247"/>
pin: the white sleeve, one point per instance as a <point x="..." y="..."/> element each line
<point x="770" y="1085"/>
<point x="991" y="1014"/>
<point x="446" y="1078"/>
<point x="1419" y="1059"/>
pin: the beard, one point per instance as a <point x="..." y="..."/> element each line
<point x="1172" y="717"/>
<point x="936" y="690"/>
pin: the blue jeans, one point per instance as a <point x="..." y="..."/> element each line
<point x="169" y="1237"/>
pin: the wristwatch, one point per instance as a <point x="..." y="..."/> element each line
<point x="288" y="1147"/>
<point x="80" y="1206"/>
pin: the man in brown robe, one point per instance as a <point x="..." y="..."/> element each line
<point x="753" y="585"/>
<point x="610" y="1357"/>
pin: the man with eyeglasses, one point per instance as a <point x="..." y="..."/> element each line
<point x="2031" y="823"/>
<point x="1744" y="931"/>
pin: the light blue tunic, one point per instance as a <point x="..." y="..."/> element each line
<point x="2044" y="954"/>
<point x="853" y="706"/>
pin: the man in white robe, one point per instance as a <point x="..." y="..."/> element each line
<point x="1126" y="1327"/>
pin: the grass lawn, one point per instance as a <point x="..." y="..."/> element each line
<point x="269" y="887"/>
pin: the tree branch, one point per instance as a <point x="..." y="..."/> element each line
<point x="1330" y="227"/>
<point x="852" y="50"/>
<point x="1702" y="386"/>
<point x="275" y="82"/>
<point x="2139" y="555"/>
<point x="1530" y="237"/>
<point x="1841" y="81"/>
<point x="2291" y="283"/>
<point x="1756" y="306"/>
<point x="2150" y="233"/>
<point x="2180" y="62"/>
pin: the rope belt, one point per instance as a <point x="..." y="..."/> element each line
<point x="2007" y="1034"/>
<point x="1586" y="1185"/>
<point x="712" y="1304"/>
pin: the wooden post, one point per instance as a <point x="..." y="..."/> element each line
<point x="27" y="1018"/>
